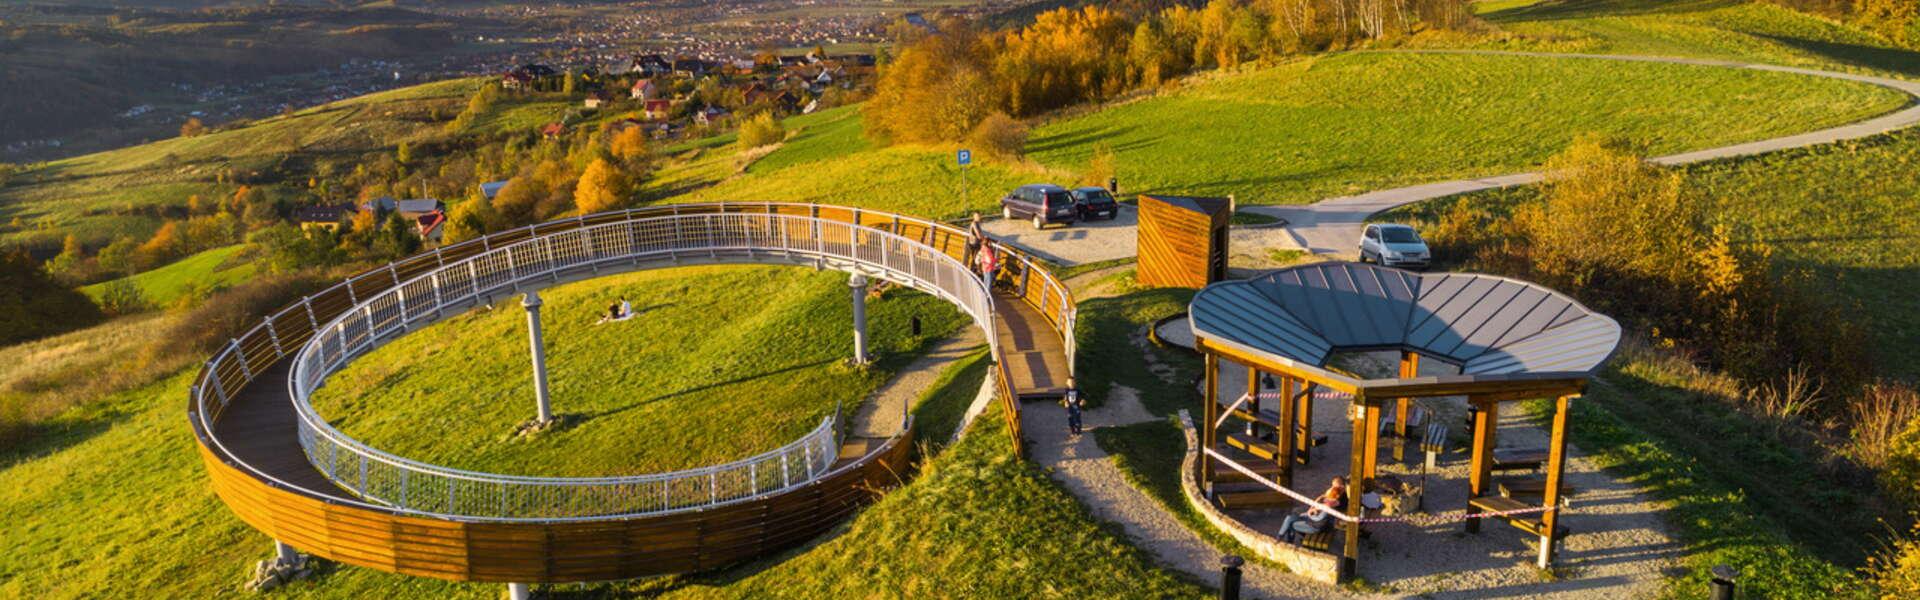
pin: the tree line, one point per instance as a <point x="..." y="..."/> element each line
<point x="943" y="84"/>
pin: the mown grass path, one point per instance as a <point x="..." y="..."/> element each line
<point x="1333" y="226"/>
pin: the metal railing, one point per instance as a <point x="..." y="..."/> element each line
<point x="358" y="314"/>
<point x="543" y="260"/>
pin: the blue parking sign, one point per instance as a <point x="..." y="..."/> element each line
<point x="966" y="157"/>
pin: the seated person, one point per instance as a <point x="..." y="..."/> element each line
<point x="618" y="311"/>
<point x="1313" y="519"/>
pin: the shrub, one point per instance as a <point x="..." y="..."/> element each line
<point x="34" y="305"/>
<point x="1901" y="471"/>
<point x="1896" y="572"/>
<point x="761" y="130"/>
<point x="1102" y="167"/>
<point x="122" y="297"/>
<point x="1000" y="136"/>
<point x="231" y="312"/>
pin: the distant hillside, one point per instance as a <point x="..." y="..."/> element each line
<point x="86" y="67"/>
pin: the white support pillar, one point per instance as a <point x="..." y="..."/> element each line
<point x="284" y="553"/>
<point x="532" y="304"/>
<point x="858" y="283"/>
<point x="518" y="591"/>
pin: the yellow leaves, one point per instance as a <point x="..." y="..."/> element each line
<point x="602" y="188"/>
<point x="629" y="145"/>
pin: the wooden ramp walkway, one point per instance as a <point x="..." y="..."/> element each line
<point x="1036" y="359"/>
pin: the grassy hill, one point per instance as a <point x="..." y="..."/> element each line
<point x="85" y="66"/>
<point x="1736" y="29"/>
<point x="118" y="501"/>
<point x="720" y="363"/>
<point x="216" y="268"/>
<point x="1350" y="123"/>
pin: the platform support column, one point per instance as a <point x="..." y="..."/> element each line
<point x="518" y="591"/>
<point x="284" y="553"/>
<point x="532" y="304"/>
<point x="858" y="283"/>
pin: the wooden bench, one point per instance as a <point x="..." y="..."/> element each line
<point x="1225" y="474"/>
<point x="1252" y="446"/>
<point x="1528" y="522"/>
<point x="1261" y="498"/>
<point x="1534" y="487"/>
<point x="1322" y="541"/>
<point x="1518" y="459"/>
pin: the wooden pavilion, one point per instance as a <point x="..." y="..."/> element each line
<point x="1510" y="340"/>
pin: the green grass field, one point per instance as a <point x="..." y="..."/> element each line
<point x="1349" y="123"/>
<point x="1734" y="29"/>
<point x="118" y="502"/>
<point x="720" y="363"/>
<point x="216" y="268"/>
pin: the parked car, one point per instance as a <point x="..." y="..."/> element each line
<point x="1392" y="245"/>
<point x="1095" y="202"/>
<point x="1042" y="203"/>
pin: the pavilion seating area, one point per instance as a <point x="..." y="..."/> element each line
<point x="1465" y="345"/>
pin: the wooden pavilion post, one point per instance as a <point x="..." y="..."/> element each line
<point x="1403" y="409"/>
<point x="1370" y="458"/>
<point x="1363" y="437"/>
<point x="1556" y="467"/>
<point x="1212" y="411"/>
<point x="1485" y="418"/>
<point x="1305" y="427"/>
<point x="1253" y="402"/>
<point x="1285" y="437"/>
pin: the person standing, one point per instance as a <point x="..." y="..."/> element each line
<point x="989" y="261"/>
<point x="976" y="237"/>
<point x="1073" y="403"/>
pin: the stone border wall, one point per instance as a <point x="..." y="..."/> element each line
<point x="1319" y="566"/>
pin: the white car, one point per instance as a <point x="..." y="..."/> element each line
<point x="1393" y="245"/>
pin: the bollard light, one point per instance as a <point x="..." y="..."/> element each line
<point x="1721" y="586"/>
<point x="1230" y="577"/>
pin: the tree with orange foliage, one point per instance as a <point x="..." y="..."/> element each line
<point x="602" y="188"/>
<point x="630" y="146"/>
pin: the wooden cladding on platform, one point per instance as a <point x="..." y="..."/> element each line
<point x="565" y="551"/>
<point x="1183" y="241"/>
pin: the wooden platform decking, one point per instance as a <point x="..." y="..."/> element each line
<point x="1036" y="359"/>
<point x="259" y="428"/>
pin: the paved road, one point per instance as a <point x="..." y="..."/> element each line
<point x="1333" y="226"/>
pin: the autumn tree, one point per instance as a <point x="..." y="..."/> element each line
<point x="193" y="127"/>
<point x="602" y="188"/>
<point x="999" y="136"/>
<point x="629" y="146"/>
<point x="936" y="90"/>
<point x="760" y="130"/>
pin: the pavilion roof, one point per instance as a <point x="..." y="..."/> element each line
<point x="1493" y="328"/>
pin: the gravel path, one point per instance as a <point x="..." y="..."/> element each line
<point x="1078" y="463"/>
<point x="1332" y="226"/>
<point x="880" y="416"/>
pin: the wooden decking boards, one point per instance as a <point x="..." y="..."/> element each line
<point x="1036" y="359"/>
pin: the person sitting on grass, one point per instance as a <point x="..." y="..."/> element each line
<point x="618" y="311"/>
<point x="1314" y="520"/>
